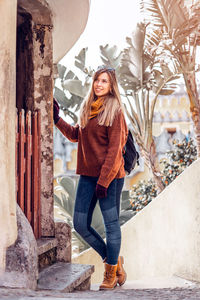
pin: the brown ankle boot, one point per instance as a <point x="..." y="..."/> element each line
<point x="110" y="278"/>
<point x="121" y="274"/>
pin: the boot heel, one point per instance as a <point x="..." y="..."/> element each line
<point x="121" y="274"/>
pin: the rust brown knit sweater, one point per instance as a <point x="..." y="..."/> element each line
<point x="99" y="148"/>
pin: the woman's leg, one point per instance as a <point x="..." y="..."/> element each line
<point x="84" y="206"/>
<point x="121" y="274"/>
<point x="110" y="211"/>
<point x="119" y="186"/>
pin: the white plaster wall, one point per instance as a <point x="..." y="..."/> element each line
<point x="8" y="9"/>
<point x="164" y="238"/>
<point x="69" y="21"/>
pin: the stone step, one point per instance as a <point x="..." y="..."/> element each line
<point x="65" y="277"/>
<point x="47" y="252"/>
<point x="46" y="244"/>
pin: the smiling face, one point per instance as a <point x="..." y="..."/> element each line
<point x="102" y="85"/>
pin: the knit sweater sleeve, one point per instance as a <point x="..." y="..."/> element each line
<point x="117" y="134"/>
<point x="70" y="132"/>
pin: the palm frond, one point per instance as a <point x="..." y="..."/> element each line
<point x="168" y="14"/>
<point x="132" y="56"/>
<point x="151" y="9"/>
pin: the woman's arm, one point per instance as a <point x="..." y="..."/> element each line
<point x="70" y="132"/>
<point x="117" y="134"/>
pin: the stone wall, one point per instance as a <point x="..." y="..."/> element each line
<point x="21" y="257"/>
<point x="8" y="9"/>
<point x="35" y="89"/>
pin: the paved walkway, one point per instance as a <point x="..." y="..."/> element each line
<point x="154" y="289"/>
<point x="140" y="294"/>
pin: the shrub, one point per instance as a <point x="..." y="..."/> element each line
<point x="177" y="160"/>
<point x="142" y="193"/>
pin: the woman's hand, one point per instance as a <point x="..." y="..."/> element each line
<point x="55" y="111"/>
<point x="101" y="191"/>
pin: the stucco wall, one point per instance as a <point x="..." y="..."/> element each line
<point x="69" y="19"/>
<point x="164" y="238"/>
<point x="7" y="126"/>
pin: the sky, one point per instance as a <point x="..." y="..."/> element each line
<point x="109" y="22"/>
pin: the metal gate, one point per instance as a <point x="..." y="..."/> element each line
<point x="28" y="166"/>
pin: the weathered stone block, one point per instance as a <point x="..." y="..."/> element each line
<point x="47" y="259"/>
<point x="46" y="244"/>
<point x="21" y="258"/>
<point x="63" y="236"/>
<point x="65" y="277"/>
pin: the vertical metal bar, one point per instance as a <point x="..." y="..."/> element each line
<point x="16" y="153"/>
<point x="35" y="175"/>
<point x="21" y="160"/>
<point x="39" y="172"/>
<point x="28" y="168"/>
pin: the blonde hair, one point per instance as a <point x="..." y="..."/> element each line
<point x="112" y="102"/>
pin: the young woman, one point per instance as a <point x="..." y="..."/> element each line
<point x="101" y="135"/>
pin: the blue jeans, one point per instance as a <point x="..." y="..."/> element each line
<point x="110" y="206"/>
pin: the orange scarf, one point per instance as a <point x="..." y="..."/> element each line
<point x="96" y="107"/>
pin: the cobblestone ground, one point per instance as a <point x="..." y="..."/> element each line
<point x="137" y="294"/>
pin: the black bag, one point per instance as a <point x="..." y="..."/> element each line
<point x="131" y="156"/>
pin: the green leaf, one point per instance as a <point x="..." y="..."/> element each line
<point x="71" y="114"/>
<point x="68" y="184"/>
<point x="80" y="59"/>
<point x="75" y="87"/>
<point x="69" y="75"/>
<point x="109" y="56"/>
<point x="166" y="71"/>
<point x="61" y="97"/>
<point x="61" y="70"/>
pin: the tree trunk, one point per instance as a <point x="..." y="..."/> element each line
<point x="158" y="179"/>
<point x="190" y="82"/>
<point x="196" y="121"/>
<point x="151" y="161"/>
<point x="155" y="166"/>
